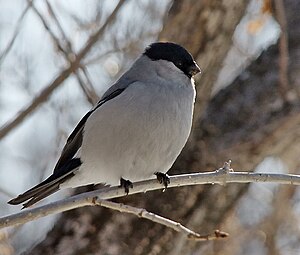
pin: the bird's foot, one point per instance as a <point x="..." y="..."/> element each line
<point x="126" y="184"/>
<point x="163" y="178"/>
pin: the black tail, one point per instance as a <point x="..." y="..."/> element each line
<point x="49" y="186"/>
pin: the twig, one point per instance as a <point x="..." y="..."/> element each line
<point x="53" y="15"/>
<point x="74" y="65"/>
<point x="42" y="97"/>
<point x="95" y="37"/>
<point x="89" y="90"/>
<point x="68" y="53"/>
<point x="142" y="213"/>
<point x="16" y="32"/>
<point x="283" y="51"/>
<point x="88" y="198"/>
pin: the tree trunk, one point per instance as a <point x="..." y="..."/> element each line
<point x="246" y="122"/>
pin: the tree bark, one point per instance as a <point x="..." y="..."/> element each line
<point x="245" y="122"/>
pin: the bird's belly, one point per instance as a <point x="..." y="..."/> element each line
<point x="136" y="156"/>
<point x="133" y="143"/>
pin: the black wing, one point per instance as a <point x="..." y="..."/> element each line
<point x="66" y="165"/>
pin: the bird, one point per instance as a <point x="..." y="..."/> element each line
<point x="136" y="130"/>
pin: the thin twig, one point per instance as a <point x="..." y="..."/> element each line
<point x="142" y="213"/>
<point x="89" y="91"/>
<point x="68" y="53"/>
<point x="53" y="15"/>
<point x="95" y="37"/>
<point x="74" y="65"/>
<point x="88" y="87"/>
<point x="100" y="57"/>
<point x="283" y="51"/>
<point x="87" y="199"/>
<point x="15" y="34"/>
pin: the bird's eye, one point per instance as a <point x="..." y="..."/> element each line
<point x="179" y="63"/>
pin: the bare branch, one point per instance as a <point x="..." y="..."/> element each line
<point x="68" y="52"/>
<point x="89" y="90"/>
<point x="95" y="37"/>
<point x="142" y="213"/>
<point x="283" y="51"/>
<point x="53" y="15"/>
<point x="87" y="87"/>
<point x="15" y="34"/>
<point x="74" y="65"/>
<point x="221" y="176"/>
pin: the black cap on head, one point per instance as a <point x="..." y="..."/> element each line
<point x="174" y="53"/>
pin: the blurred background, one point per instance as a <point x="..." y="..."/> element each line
<point x="58" y="57"/>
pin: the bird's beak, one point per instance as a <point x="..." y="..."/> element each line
<point x="194" y="69"/>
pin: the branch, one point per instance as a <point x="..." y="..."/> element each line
<point x="15" y="34"/>
<point x="74" y="65"/>
<point x="142" y="213"/>
<point x="221" y="176"/>
<point x="69" y="54"/>
<point x="283" y="51"/>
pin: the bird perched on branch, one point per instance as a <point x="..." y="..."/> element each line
<point x="136" y="130"/>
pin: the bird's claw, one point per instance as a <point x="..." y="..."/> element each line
<point x="163" y="178"/>
<point x="126" y="184"/>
